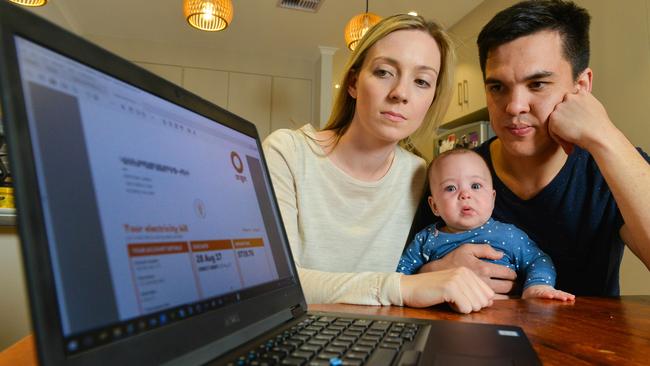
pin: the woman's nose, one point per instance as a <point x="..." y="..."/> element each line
<point x="399" y="92"/>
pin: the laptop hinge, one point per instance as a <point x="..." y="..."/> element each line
<point x="297" y="311"/>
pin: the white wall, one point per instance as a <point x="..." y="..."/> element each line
<point x="14" y="318"/>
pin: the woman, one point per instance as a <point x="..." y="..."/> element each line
<point x="348" y="193"/>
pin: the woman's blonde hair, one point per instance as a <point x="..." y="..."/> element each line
<point x="344" y="104"/>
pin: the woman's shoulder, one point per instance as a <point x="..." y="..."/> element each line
<point x="283" y="136"/>
<point x="409" y="159"/>
<point x="288" y="140"/>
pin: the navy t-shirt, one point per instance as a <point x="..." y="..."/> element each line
<point x="574" y="219"/>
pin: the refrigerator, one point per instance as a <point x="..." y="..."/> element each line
<point x="469" y="135"/>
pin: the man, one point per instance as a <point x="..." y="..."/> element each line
<point x="562" y="170"/>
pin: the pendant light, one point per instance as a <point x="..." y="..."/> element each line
<point x="32" y="3"/>
<point x="208" y="15"/>
<point x="358" y="26"/>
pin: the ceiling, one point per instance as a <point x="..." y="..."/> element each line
<point x="258" y="26"/>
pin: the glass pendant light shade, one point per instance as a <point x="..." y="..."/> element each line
<point x="208" y="15"/>
<point x="30" y="2"/>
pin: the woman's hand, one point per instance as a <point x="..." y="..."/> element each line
<point x="460" y="287"/>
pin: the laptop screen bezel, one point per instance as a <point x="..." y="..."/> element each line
<point x="156" y="346"/>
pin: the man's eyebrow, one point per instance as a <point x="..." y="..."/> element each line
<point x="533" y="76"/>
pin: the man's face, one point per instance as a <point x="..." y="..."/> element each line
<point x="524" y="80"/>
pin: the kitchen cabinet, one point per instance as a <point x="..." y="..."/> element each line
<point x="291" y="105"/>
<point x="469" y="93"/>
<point x="249" y="96"/>
<point x="211" y="85"/>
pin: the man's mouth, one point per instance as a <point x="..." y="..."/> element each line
<point x="519" y="130"/>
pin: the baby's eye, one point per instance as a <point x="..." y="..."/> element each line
<point x="476" y="186"/>
<point x="450" y="189"/>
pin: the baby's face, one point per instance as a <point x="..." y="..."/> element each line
<point x="461" y="191"/>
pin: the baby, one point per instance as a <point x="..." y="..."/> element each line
<point x="462" y="194"/>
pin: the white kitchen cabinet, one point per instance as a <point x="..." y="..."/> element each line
<point x="209" y="84"/>
<point x="169" y="72"/>
<point x="469" y="93"/>
<point x="291" y="105"/>
<point x="249" y="96"/>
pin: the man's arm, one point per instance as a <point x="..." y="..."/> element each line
<point x="499" y="278"/>
<point x="582" y="120"/>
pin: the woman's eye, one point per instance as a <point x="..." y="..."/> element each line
<point x="450" y="189"/>
<point x="422" y="83"/>
<point x="476" y="185"/>
<point x="382" y="73"/>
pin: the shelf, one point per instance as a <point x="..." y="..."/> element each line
<point x="478" y="115"/>
<point x="7" y="216"/>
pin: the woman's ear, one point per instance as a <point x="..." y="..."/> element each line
<point x="585" y="79"/>
<point x="352" y="83"/>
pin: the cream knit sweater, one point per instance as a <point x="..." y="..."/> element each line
<point x="346" y="235"/>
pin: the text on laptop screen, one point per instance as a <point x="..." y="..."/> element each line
<point x="171" y="213"/>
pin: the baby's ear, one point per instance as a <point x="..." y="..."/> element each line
<point x="432" y="205"/>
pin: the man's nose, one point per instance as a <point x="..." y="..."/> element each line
<point x="518" y="102"/>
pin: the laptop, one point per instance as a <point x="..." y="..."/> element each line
<point x="151" y="234"/>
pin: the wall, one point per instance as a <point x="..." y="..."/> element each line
<point x="14" y="319"/>
<point x="276" y="93"/>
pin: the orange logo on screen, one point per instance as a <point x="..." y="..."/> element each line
<point x="236" y="162"/>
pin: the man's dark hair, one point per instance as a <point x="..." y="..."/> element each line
<point x="532" y="16"/>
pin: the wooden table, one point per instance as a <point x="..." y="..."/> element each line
<point x="610" y="331"/>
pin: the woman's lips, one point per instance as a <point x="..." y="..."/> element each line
<point x="392" y="116"/>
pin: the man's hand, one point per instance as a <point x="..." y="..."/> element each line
<point x="580" y="119"/>
<point x="546" y="292"/>
<point x="499" y="278"/>
<point x="459" y="287"/>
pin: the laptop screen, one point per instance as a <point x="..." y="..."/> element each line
<point x="153" y="213"/>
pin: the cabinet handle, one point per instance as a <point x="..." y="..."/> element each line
<point x="460" y="94"/>
<point x="465" y="91"/>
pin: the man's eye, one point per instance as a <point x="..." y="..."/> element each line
<point x="476" y="186"/>
<point x="494" y="88"/>
<point x="536" y="85"/>
<point x="450" y="189"/>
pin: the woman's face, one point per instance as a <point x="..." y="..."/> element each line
<point x="396" y="85"/>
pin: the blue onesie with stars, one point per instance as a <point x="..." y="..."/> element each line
<point x="521" y="254"/>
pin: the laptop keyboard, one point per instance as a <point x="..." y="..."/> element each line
<point x="336" y="341"/>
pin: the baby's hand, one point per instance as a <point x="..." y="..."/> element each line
<point x="546" y="292"/>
